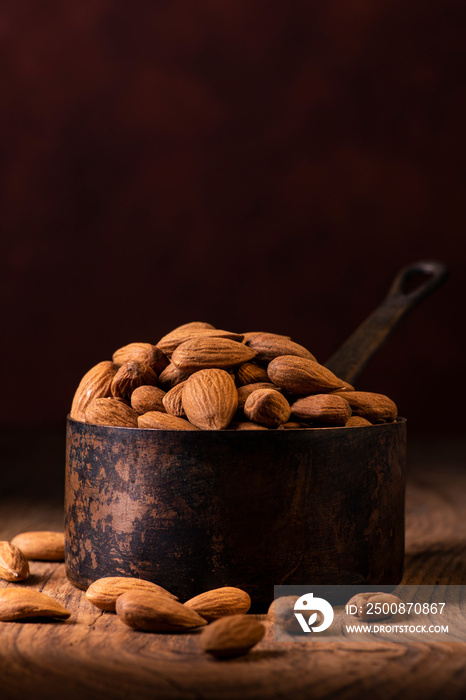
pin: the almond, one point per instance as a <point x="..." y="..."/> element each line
<point x="20" y="603"/>
<point x="42" y="545"/>
<point x="13" y="563"/>
<point x="94" y="385"/>
<point x="269" y="346"/>
<point x="172" y="340"/>
<point x="104" y="592"/>
<point x="376" y="408"/>
<point x="281" y="613"/>
<point x="172" y="401"/>
<point x="249" y="373"/>
<point x="231" y="636"/>
<point x="267" y="407"/>
<point x="357" y="422"/>
<point x="204" y="353"/>
<point x="111" y="411"/>
<point x="247" y="389"/>
<point x="210" y="399"/>
<point x="366" y="602"/>
<point x="220" y="602"/>
<point x="131" y="375"/>
<point x="162" y="421"/>
<point x="171" y="376"/>
<point x="246" y="425"/>
<point x="322" y="409"/>
<point x="144" y="610"/>
<point x="145" y="353"/>
<point x="302" y="376"/>
<point x="147" y="398"/>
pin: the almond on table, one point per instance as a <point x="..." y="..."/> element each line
<point x="25" y="603"/>
<point x="144" y="610"/>
<point x="231" y="636"/>
<point x="220" y="602"/>
<point x="103" y="592"/>
<point x="43" y="545"/>
<point x="13" y="563"/>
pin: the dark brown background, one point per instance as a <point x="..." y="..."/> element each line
<point x="260" y="165"/>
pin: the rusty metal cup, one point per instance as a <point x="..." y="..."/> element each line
<point x="195" y="510"/>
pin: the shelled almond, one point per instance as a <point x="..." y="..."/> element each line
<point x="26" y="603"/>
<point x="231" y="636"/>
<point x="103" y="592"/>
<point x="220" y="602"/>
<point x="13" y="563"/>
<point x="144" y="610"/>
<point x="197" y="377"/>
<point x="43" y="545"/>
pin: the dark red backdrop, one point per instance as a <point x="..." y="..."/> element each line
<point x="260" y="165"/>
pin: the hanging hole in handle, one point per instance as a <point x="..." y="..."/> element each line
<point x="414" y="279"/>
<point x="419" y="279"/>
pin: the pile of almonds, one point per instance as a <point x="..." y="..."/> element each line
<point x="200" y="378"/>
<point x="140" y="604"/>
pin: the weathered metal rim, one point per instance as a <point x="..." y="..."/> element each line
<point x="144" y="431"/>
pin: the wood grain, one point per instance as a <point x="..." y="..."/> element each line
<point x="94" y="655"/>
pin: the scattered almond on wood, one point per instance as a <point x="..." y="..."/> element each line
<point x="144" y="610"/>
<point x="43" y="545"/>
<point x="13" y="563"/>
<point x="24" y="603"/>
<point x="103" y="592"/>
<point x="231" y="636"/>
<point x="281" y="613"/>
<point x="198" y="377"/>
<point x="220" y="602"/>
<point x="374" y="606"/>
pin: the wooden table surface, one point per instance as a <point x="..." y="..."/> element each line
<point x="93" y="655"/>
